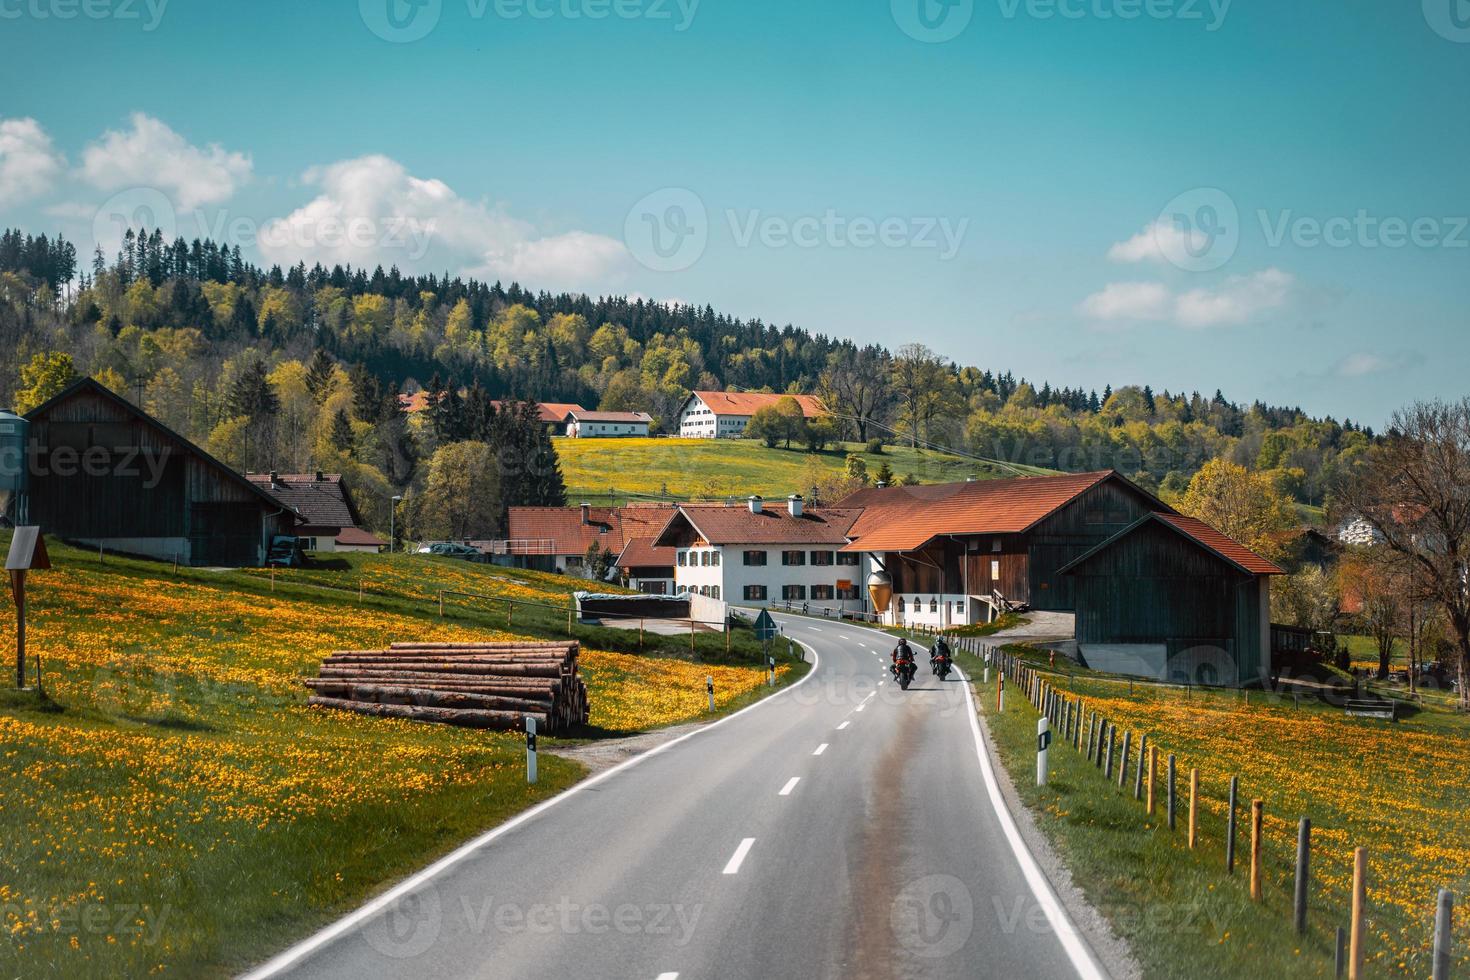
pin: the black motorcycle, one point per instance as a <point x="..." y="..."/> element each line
<point x="904" y="672"/>
<point x="942" y="666"/>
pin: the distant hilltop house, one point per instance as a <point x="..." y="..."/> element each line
<point x="725" y="414"/>
<point x="557" y="539"/>
<point x="329" y="519"/>
<point x="758" y="554"/>
<point x="582" y="424"/>
<point x="108" y="474"/>
<point x="1359" y="531"/>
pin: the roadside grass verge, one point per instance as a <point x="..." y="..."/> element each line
<point x="1399" y="790"/>
<point x="172" y="806"/>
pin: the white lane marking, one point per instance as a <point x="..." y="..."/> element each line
<point x="843" y="725"/>
<point x="352" y="920"/>
<point x="668" y="976"/>
<point x="821" y="748"/>
<point x="790" y="785"/>
<point x="861" y="706"/>
<point x="733" y="865"/>
<point x="815" y="629"/>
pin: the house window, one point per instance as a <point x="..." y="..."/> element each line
<point x="995" y="571"/>
<point x="790" y="592"/>
<point x="793" y="557"/>
<point x="704" y="559"/>
<point x="848" y="594"/>
<point x="683" y="559"/>
<point x="995" y="546"/>
<point x="823" y="592"/>
<point x="823" y="558"/>
<point x="849" y="558"/>
<point x="900" y="605"/>
<point x="714" y="558"/>
<point x="714" y="591"/>
<point x="755" y="558"/>
<point x="755" y="593"/>
<point x="934" y="605"/>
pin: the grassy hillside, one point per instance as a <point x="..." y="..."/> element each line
<point x="173" y="805"/>
<point x="1397" y="789"/>
<point x="613" y="470"/>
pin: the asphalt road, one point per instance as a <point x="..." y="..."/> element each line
<point x="843" y="828"/>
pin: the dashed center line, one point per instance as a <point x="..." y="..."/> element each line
<point x="668" y="976"/>
<point x="861" y="706"/>
<point x="733" y="865"/>
<point x="843" y="725"/>
<point x="821" y="748"/>
<point x="790" y="785"/>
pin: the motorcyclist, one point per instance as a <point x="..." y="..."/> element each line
<point x="903" y="657"/>
<point x="939" y="651"/>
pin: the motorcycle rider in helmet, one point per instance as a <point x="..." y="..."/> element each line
<point x="939" y="651"/>
<point x="903" y="658"/>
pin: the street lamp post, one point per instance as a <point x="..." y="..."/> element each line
<point x="392" y="525"/>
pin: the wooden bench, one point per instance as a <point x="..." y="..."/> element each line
<point x="1371" y="708"/>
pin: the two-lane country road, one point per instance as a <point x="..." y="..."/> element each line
<point x="843" y="828"/>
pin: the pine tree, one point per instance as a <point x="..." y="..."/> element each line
<point x="342" y="436"/>
<point x="319" y="375"/>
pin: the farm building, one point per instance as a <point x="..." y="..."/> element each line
<point x="1172" y="598"/>
<point x="962" y="553"/>
<point x="329" y="517"/>
<point x="557" y="539"/>
<point x="725" y="414"/>
<point x="581" y="424"/>
<point x="105" y="472"/>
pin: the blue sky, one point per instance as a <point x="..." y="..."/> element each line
<point x="1268" y="198"/>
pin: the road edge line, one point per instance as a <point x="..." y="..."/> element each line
<point x="294" y="954"/>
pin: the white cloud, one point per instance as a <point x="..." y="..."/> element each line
<point x="1360" y="364"/>
<point x="151" y="154"/>
<point x="1129" y="301"/>
<point x="29" y="164"/>
<point x="1159" y="241"/>
<point x="372" y="211"/>
<point x="1236" y="300"/>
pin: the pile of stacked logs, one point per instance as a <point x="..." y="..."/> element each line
<point x="474" y="685"/>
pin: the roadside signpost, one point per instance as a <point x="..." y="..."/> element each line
<point x="530" y="749"/>
<point x="766" y="630"/>
<point x="1043" y="742"/>
<point x="27" y="553"/>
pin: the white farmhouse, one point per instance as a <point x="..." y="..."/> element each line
<point x="725" y="414"/>
<point x="756" y="554"/>
<point x="582" y="424"/>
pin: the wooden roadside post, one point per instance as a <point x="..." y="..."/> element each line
<point x="1153" y="771"/>
<point x="1444" y="920"/>
<point x="1171" y="794"/>
<point x="441" y="603"/>
<point x="1230" y="826"/>
<point x="27" y="554"/>
<point x="1108" y="767"/>
<point x="1123" y="760"/>
<point x="1303" y="872"/>
<point x="1258" y="812"/>
<point x="1142" y="753"/>
<point x="1193" y="807"/>
<point x="1339" y="956"/>
<point x="360" y="585"/>
<point x="1356" y="934"/>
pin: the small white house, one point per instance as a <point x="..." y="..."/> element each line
<point x="607" y="425"/>
<point x="725" y="414"/>
<point x="754" y="554"/>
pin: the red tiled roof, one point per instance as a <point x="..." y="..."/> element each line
<point x="322" y="499"/>
<point x="1221" y="544"/>
<point x="612" y="528"/>
<point x="550" y="412"/>
<point x="906" y="518"/>
<point x="643" y="553"/>
<point x="722" y="525"/>
<point x="357" y="537"/>
<point x="750" y="402"/>
<point x="556" y="411"/>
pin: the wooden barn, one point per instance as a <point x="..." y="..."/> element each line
<point x="1172" y="598"/>
<point x="105" y="472"/>
<point x="962" y="553"/>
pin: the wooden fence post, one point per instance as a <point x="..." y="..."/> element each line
<point x="1356" y="934"/>
<point x="1193" y="806"/>
<point x="1303" y="873"/>
<point x="1230" y="827"/>
<point x="1108" y="764"/>
<point x="1123" y="761"/>
<point x="1153" y="769"/>
<point x="1444" y="920"/>
<point x="1171" y="794"/>
<point x="359" y="591"/>
<point x="441" y="603"/>
<point x="1142" y="753"/>
<point x="1258" y="813"/>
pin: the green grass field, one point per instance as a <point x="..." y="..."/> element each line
<point x="615" y="470"/>
<point x="1400" y="790"/>
<point x="172" y="805"/>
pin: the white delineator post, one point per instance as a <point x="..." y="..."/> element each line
<point x="1043" y="742"/>
<point x="530" y="749"/>
<point x="709" y="686"/>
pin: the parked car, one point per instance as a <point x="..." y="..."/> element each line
<point x="450" y="549"/>
<point x="285" y="552"/>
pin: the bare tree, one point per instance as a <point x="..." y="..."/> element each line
<point x="856" y="386"/>
<point x="1414" y="491"/>
<point x="925" y="385"/>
